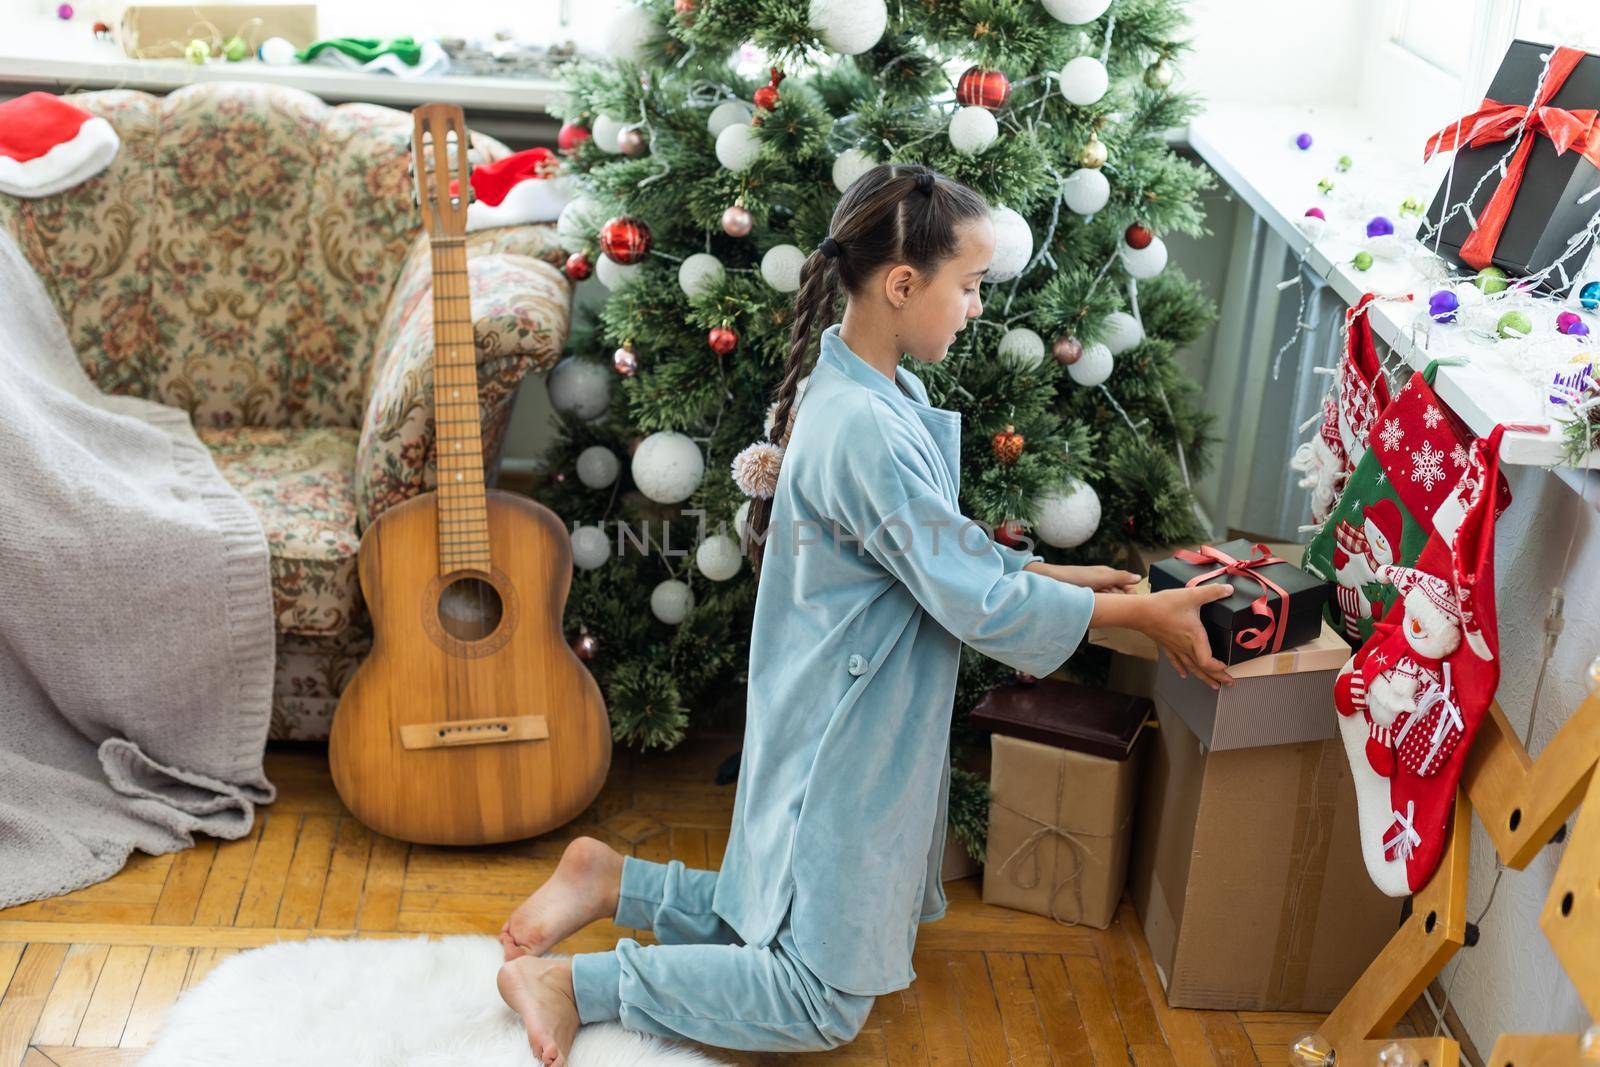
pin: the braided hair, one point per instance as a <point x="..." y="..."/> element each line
<point x="894" y="213"/>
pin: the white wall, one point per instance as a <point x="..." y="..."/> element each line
<point x="1276" y="51"/>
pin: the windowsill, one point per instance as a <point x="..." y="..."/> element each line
<point x="1249" y="147"/>
<point x="65" y="57"/>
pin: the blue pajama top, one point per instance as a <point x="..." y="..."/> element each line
<point x="871" y="581"/>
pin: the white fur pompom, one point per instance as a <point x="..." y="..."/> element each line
<point x="755" y="469"/>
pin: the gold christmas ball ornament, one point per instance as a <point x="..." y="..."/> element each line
<point x="632" y="142"/>
<point x="625" y="360"/>
<point x="1008" y="444"/>
<point x="1067" y="350"/>
<point x="736" y="221"/>
<point x="1159" y="76"/>
<point x="1094" y="153"/>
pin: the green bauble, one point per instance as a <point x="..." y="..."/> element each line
<point x="234" y="49"/>
<point x="1363" y="261"/>
<point x="1513" y="324"/>
<point x="197" y="51"/>
<point x="1491" y="280"/>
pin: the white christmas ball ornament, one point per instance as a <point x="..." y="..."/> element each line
<point x="1145" y="262"/>
<point x="579" y="388"/>
<point x="277" y="52"/>
<point x="1086" y="191"/>
<point x="851" y="164"/>
<point x="579" y="221"/>
<point x="737" y="147"/>
<point x="614" y="275"/>
<point x="605" y="131"/>
<point x="1122" y="332"/>
<point x="671" y="601"/>
<point x="718" y="557"/>
<point x="1076" y="12"/>
<point x="729" y="113"/>
<point x="1013" y="245"/>
<point x="1084" y="81"/>
<point x="598" y="466"/>
<point x="1068" y="519"/>
<point x="972" y="129"/>
<point x="849" y="27"/>
<point x="590" y="547"/>
<point x="668" y="467"/>
<point x="698" y="272"/>
<point x="781" y="267"/>
<point x="742" y="516"/>
<point x="630" y="31"/>
<point x="1093" y="367"/>
<point x="1022" y="348"/>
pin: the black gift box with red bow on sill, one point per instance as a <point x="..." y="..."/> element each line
<point x="1539" y="116"/>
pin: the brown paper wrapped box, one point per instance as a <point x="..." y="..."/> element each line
<point x="1059" y="829"/>
<point x="161" y="31"/>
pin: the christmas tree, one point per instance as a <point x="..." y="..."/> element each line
<point x="711" y="152"/>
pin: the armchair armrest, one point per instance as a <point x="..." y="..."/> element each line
<point x="521" y="315"/>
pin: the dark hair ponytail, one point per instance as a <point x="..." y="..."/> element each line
<point x="894" y="213"/>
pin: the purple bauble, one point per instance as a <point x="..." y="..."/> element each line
<point x="1578" y="329"/>
<point x="1303" y="142"/>
<point x="64" y="12"/>
<point x="1567" y="320"/>
<point x="1316" y="213"/>
<point x="1442" y="306"/>
<point x="1378" y="226"/>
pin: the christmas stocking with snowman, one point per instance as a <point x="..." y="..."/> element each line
<point x="1360" y="392"/>
<point x="1412" y="697"/>
<point x="1417" y="453"/>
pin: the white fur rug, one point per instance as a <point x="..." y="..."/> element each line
<point x="336" y="1002"/>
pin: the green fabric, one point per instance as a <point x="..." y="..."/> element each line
<point x="366" y="49"/>
<point x="1366" y="486"/>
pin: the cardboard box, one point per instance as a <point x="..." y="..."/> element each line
<point x="1060" y="829"/>
<point x="1277" y="700"/>
<point x="1247" y="873"/>
<point x="162" y="31"/>
<point x="1552" y="202"/>
<point x="1228" y="622"/>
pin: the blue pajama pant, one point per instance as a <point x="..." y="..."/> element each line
<point x="702" y="982"/>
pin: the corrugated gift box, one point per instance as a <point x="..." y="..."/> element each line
<point x="1062" y="785"/>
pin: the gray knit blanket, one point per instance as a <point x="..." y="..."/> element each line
<point x="136" y="629"/>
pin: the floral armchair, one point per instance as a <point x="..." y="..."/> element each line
<point x="254" y="256"/>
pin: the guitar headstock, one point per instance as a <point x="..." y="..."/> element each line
<point x="439" y="145"/>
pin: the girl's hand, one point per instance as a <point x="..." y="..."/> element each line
<point x="1103" y="579"/>
<point x="1172" y="619"/>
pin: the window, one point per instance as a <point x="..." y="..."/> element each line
<point x="1439" y="32"/>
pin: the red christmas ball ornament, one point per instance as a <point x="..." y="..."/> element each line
<point x="1009" y="533"/>
<point x="767" y="96"/>
<point x="1067" y="350"/>
<point x="1008" y="444"/>
<point x="1138" y="236"/>
<point x="736" y="221"/>
<point x="983" y="88"/>
<point x="722" y="340"/>
<point x="102" y="32"/>
<point x="631" y="142"/>
<point x="686" y="10"/>
<point x="571" y="136"/>
<point x="586" y="646"/>
<point x="625" y="360"/>
<point x="578" y="266"/>
<point x="625" y="239"/>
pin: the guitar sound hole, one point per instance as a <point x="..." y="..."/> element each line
<point x="469" y="609"/>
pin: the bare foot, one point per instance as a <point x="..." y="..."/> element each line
<point x="583" y="889"/>
<point x="540" y="990"/>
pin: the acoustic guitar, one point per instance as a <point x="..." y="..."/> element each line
<point x="472" y="721"/>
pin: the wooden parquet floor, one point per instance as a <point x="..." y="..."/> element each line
<point x="87" y="977"/>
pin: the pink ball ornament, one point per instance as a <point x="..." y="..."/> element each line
<point x="1566" y="320"/>
<point x="1316" y="213"/>
<point x="64" y="12"/>
<point x="736" y="221"/>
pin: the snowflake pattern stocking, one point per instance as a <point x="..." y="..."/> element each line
<point x="1412" y="697"/>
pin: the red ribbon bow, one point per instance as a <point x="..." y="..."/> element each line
<point x="1273" y="624"/>
<point x="1495" y="121"/>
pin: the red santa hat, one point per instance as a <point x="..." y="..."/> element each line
<point x="48" y="145"/>
<point x="523" y="187"/>
<point x="1384" y="514"/>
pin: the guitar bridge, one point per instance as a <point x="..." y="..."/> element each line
<point x="452" y="733"/>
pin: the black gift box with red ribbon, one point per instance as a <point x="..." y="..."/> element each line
<point x="1543" y="101"/>
<point x="1275" y="605"/>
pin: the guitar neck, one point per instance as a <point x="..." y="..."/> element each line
<point x="458" y="429"/>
